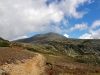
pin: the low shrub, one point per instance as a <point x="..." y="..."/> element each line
<point x="4" y="44"/>
<point x="31" y="49"/>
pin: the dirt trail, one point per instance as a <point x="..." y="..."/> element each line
<point x="34" y="66"/>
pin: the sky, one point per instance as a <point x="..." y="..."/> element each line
<point x="72" y="18"/>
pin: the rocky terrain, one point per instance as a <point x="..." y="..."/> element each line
<point x="21" y="62"/>
<point x="81" y="50"/>
<point x="50" y="54"/>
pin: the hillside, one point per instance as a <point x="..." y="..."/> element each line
<point x="42" y="38"/>
<point x="64" y="56"/>
<point x="15" y="60"/>
<point x="82" y="50"/>
<point x="9" y="55"/>
<point x="4" y="43"/>
<point x="61" y="50"/>
<point x="20" y="62"/>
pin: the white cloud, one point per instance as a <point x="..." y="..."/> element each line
<point x="69" y="7"/>
<point x="82" y="26"/>
<point x="93" y="34"/>
<point x="96" y="24"/>
<point x="66" y="35"/>
<point x="86" y="36"/>
<point x="21" y="17"/>
<point x="20" y="37"/>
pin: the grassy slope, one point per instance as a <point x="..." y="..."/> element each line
<point x="9" y="55"/>
<point x="61" y="62"/>
<point x="60" y="59"/>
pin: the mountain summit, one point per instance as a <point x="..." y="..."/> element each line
<point x="51" y="36"/>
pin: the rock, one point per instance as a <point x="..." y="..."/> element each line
<point x="1" y="72"/>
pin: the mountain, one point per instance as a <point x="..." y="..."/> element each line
<point x="81" y="50"/>
<point x="1" y="40"/>
<point x="43" y="37"/>
<point x="64" y="56"/>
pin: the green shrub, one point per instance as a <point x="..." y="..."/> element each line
<point x="4" y="44"/>
<point x="80" y="60"/>
<point x="49" y="53"/>
<point x="17" y="44"/>
<point x="31" y="49"/>
<point x="48" y="47"/>
<point x="86" y="41"/>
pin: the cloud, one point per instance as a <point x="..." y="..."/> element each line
<point x="69" y="7"/>
<point x="91" y="1"/>
<point x="82" y="26"/>
<point x="95" y="24"/>
<point x="66" y="35"/>
<point x="92" y="33"/>
<point x="95" y="34"/>
<point x="86" y="36"/>
<point x="21" y="17"/>
<point x="20" y="37"/>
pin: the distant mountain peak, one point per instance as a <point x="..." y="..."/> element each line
<point x="51" y="33"/>
<point x="51" y="36"/>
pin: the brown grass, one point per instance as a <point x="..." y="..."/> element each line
<point x="9" y="55"/>
<point x="59" y="65"/>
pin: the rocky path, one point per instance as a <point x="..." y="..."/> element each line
<point x="25" y="65"/>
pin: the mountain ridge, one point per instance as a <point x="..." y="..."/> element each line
<point x="56" y="44"/>
<point x="61" y="53"/>
<point x="42" y="37"/>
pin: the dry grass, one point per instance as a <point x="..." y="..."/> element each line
<point x="60" y="65"/>
<point x="9" y="55"/>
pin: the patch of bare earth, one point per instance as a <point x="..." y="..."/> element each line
<point x="21" y="62"/>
